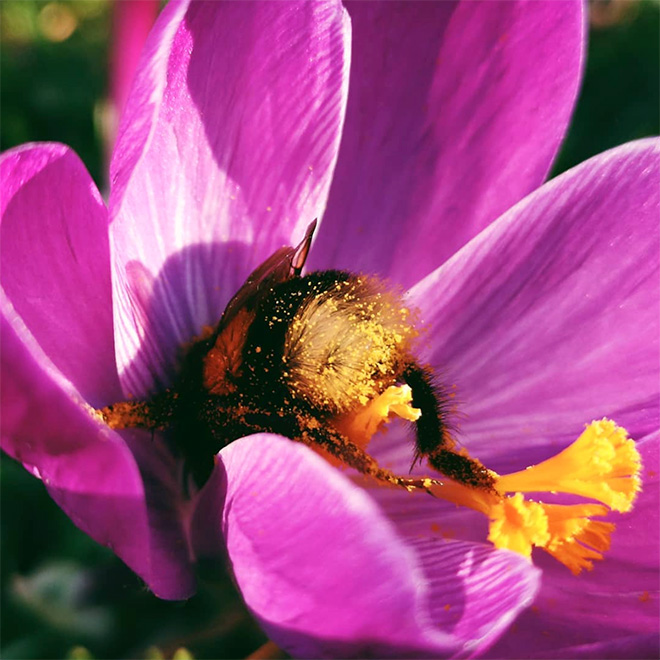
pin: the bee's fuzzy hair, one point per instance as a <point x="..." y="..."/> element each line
<point x="346" y="343"/>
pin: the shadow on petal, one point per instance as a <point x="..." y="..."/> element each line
<point x="160" y="314"/>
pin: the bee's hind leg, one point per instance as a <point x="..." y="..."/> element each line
<point x="433" y="440"/>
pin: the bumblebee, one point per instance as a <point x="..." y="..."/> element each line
<point x="293" y="354"/>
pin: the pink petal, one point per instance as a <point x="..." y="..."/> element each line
<point x="318" y="566"/>
<point x="58" y="358"/>
<point x="56" y="263"/>
<point x="456" y="111"/>
<point x="549" y="318"/>
<point x="225" y="154"/>
<point x="87" y="469"/>
<point x="323" y="571"/>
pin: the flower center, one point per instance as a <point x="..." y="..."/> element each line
<point x="603" y="464"/>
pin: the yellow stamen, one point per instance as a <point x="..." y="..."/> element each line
<point x="516" y="524"/>
<point x="602" y="464"/>
<point x="361" y="424"/>
<point x="565" y="532"/>
<point x="575" y="539"/>
<point x="472" y="498"/>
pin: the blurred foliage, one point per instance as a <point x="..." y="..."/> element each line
<point x="620" y="96"/>
<point x="53" y="64"/>
<point x="62" y="594"/>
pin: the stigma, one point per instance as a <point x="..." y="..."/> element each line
<point x="602" y="465"/>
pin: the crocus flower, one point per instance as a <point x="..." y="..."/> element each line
<point x="243" y="125"/>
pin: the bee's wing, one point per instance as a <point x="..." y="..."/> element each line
<point x="283" y="264"/>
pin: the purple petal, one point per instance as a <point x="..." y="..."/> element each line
<point x="56" y="263"/>
<point x="87" y="469"/>
<point x="58" y="358"/>
<point x="421" y="517"/>
<point x="608" y="605"/>
<point x="225" y="154"/>
<point x="456" y="111"/>
<point x="549" y="319"/>
<point x="319" y="567"/>
<point x="325" y="573"/>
